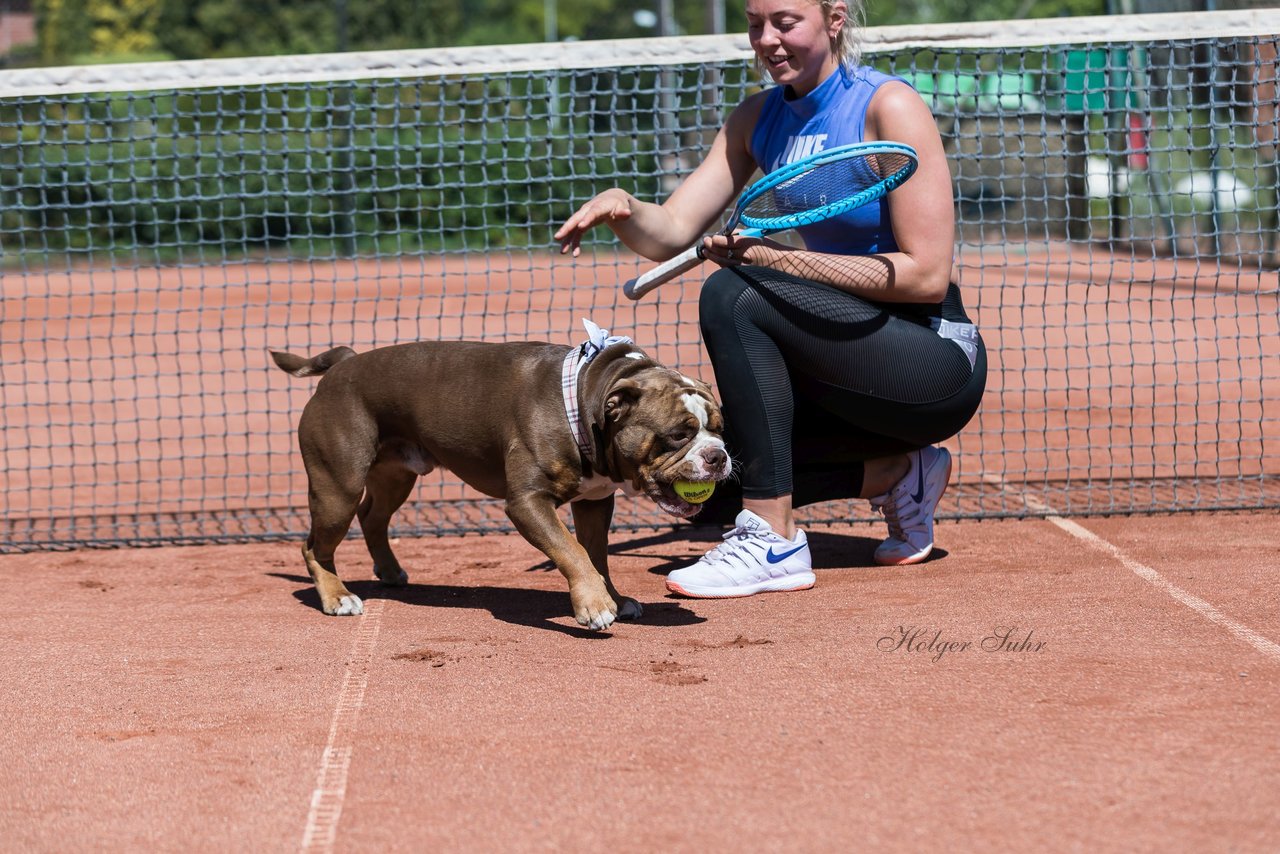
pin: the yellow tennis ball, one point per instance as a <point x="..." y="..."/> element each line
<point x="694" y="493"/>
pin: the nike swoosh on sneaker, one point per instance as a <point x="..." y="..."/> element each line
<point x="918" y="495"/>
<point x="773" y="558"/>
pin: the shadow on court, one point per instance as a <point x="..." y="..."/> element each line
<point x="536" y="609"/>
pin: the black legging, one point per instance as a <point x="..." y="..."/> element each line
<point x="814" y="381"/>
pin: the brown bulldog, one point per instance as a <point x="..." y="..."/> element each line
<point x="536" y="424"/>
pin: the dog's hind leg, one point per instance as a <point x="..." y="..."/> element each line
<point x="333" y="499"/>
<point x="386" y="488"/>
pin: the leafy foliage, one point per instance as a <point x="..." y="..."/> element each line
<point x="81" y="30"/>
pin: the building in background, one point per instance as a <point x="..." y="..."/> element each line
<point x="17" y="25"/>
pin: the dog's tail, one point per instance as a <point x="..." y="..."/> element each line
<point x="301" y="367"/>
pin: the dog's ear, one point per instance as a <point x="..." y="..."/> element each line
<point x="705" y="390"/>
<point x="622" y="397"/>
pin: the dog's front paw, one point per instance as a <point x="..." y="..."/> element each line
<point x="630" y="609"/>
<point x="597" y="614"/>
<point x="392" y="576"/>
<point x="596" y="621"/>
<point x="348" y="605"/>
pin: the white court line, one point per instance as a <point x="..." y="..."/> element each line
<point x="331" y="782"/>
<point x="1262" y="644"/>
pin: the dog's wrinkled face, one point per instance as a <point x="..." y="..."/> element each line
<point x="665" y="427"/>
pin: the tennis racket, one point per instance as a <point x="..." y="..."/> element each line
<point x="818" y="187"/>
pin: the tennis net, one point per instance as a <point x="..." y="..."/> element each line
<point x="163" y="224"/>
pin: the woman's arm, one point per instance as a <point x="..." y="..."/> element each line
<point x="920" y="211"/>
<point x="660" y="231"/>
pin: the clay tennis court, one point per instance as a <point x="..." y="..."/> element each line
<point x="1101" y="681"/>
<point x="195" y="699"/>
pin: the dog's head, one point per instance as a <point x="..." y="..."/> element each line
<point x="658" y="426"/>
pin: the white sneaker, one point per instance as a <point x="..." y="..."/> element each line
<point x="752" y="559"/>
<point x="910" y="505"/>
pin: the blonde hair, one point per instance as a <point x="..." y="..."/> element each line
<point x="847" y="45"/>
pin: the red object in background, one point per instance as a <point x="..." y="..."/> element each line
<point x="1136" y="141"/>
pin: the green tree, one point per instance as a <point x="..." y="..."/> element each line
<point x="123" y="27"/>
<point x="89" y="30"/>
<point x="227" y="28"/>
<point x="76" y="30"/>
<point x="63" y="29"/>
<point x="881" y="13"/>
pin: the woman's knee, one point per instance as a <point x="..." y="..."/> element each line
<point x="720" y="293"/>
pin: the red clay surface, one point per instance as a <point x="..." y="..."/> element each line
<point x="182" y="699"/>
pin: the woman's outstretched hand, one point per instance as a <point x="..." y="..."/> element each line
<point x="611" y="206"/>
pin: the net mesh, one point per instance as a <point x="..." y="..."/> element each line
<point x="162" y="226"/>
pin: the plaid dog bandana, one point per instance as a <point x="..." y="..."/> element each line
<point x="577" y="359"/>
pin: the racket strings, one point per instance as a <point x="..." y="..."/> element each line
<point x="812" y="193"/>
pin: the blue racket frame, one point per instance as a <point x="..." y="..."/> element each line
<point x="756" y="227"/>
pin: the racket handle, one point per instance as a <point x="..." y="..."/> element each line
<point x="664" y="272"/>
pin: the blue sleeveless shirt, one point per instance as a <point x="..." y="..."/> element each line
<point x="831" y="115"/>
